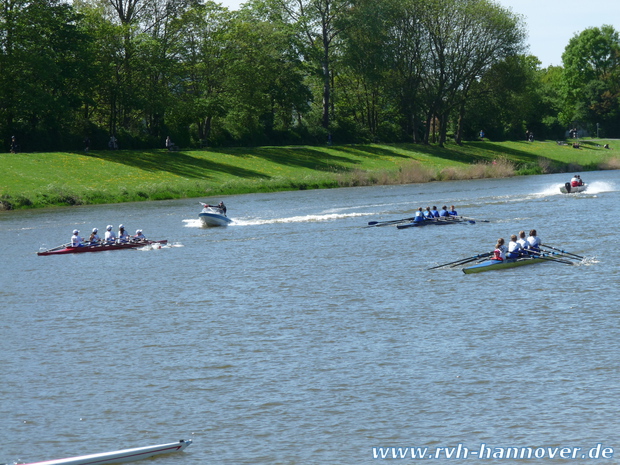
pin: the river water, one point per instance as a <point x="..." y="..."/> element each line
<point x="298" y="336"/>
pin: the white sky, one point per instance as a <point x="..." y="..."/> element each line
<point x="550" y="23"/>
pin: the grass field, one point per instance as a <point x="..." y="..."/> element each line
<point x="34" y="180"/>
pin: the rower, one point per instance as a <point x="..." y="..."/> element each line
<point x="514" y="247"/>
<point x="139" y="236"/>
<point x="534" y="241"/>
<point x="444" y="212"/>
<point x="500" y="250"/>
<point x="76" y="240"/>
<point x="523" y="241"/>
<point x="123" y="236"/>
<point x="427" y="214"/>
<point x="419" y="216"/>
<point x="94" y="237"/>
<point x="435" y="212"/>
<point x="453" y="211"/>
<point x="109" y="236"/>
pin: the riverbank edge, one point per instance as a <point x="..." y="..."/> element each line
<point x="367" y="165"/>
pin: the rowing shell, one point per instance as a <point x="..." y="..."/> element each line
<point x="101" y="247"/>
<point x="434" y="221"/>
<point x="490" y="265"/>
<point x="120" y="456"/>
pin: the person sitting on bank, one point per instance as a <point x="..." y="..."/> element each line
<point x="515" y="249"/>
<point x="500" y="250"/>
<point x="76" y="240"/>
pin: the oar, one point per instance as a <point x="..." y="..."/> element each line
<point x="463" y="260"/>
<point x="563" y="251"/>
<point x="544" y="257"/>
<point x="474" y="219"/>
<point x="385" y="223"/>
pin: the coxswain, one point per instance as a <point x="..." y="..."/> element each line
<point x="435" y="212"/>
<point x="109" y="236"/>
<point x="76" y="240"/>
<point x="514" y="247"/>
<point x="444" y="212"/>
<point x="534" y="241"/>
<point x="94" y="237"/>
<point x="123" y="236"/>
<point x="453" y="211"/>
<point x="500" y="250"/>
<point x="139" y="236"/>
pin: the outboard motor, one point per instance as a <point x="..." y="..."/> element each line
<point x="567" y="185"/>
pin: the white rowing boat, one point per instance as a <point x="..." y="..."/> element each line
<point x="120" y="456"/>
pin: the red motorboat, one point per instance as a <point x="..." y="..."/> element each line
<point x="99" y="247"/>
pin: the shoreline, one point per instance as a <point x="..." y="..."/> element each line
<point x="42" y="180"/>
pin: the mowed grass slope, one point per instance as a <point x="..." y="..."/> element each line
<point x="31" y="180"/>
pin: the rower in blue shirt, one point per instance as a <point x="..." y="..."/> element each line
<point x="453" y="211"/>
<point x="419" y="215"/>
<point x="444" y="212"/>
<point x="427" y="214"/>
<point x="435" y="212"/>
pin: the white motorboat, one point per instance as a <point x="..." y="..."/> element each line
<point x="213" y="216"/>
<point x="568" y="189"/>
<point x="120" y="456"/>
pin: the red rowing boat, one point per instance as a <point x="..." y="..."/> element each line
<point x="100" y="247"/>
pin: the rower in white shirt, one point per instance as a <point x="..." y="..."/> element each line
<point x="76" y="240"/>
<point x="514" y="247"/>
<point x="139" y="236"/>
<point x="123" y="236"/>
<point x="109" y="236"/>
<point x="94" y="237"/>
<point x="534" y="241"/>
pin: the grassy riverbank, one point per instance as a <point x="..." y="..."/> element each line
<point x="34" y="180"/>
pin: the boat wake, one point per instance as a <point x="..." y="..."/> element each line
<point x="595" y="187"/>
<point x="196" y="223"/>
<point x="157" y="246"/>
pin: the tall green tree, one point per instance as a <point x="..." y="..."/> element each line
<point x="592" y="80"/>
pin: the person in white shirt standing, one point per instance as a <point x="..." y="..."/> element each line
<point x="76" y="240"/>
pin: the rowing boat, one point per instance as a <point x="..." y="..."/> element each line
<point x="99" y="247"/>
<point x="568" y="189"/>
<point x="490" y="265"/>
<point x="120" y="456"/>
<point x="435" y="222"/>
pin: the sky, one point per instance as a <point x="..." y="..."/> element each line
<point x="550" y="24"/>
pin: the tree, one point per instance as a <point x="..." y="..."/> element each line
<point x="592" y="79"/>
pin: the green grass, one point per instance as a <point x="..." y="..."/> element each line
<point x="33" y="180"/>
